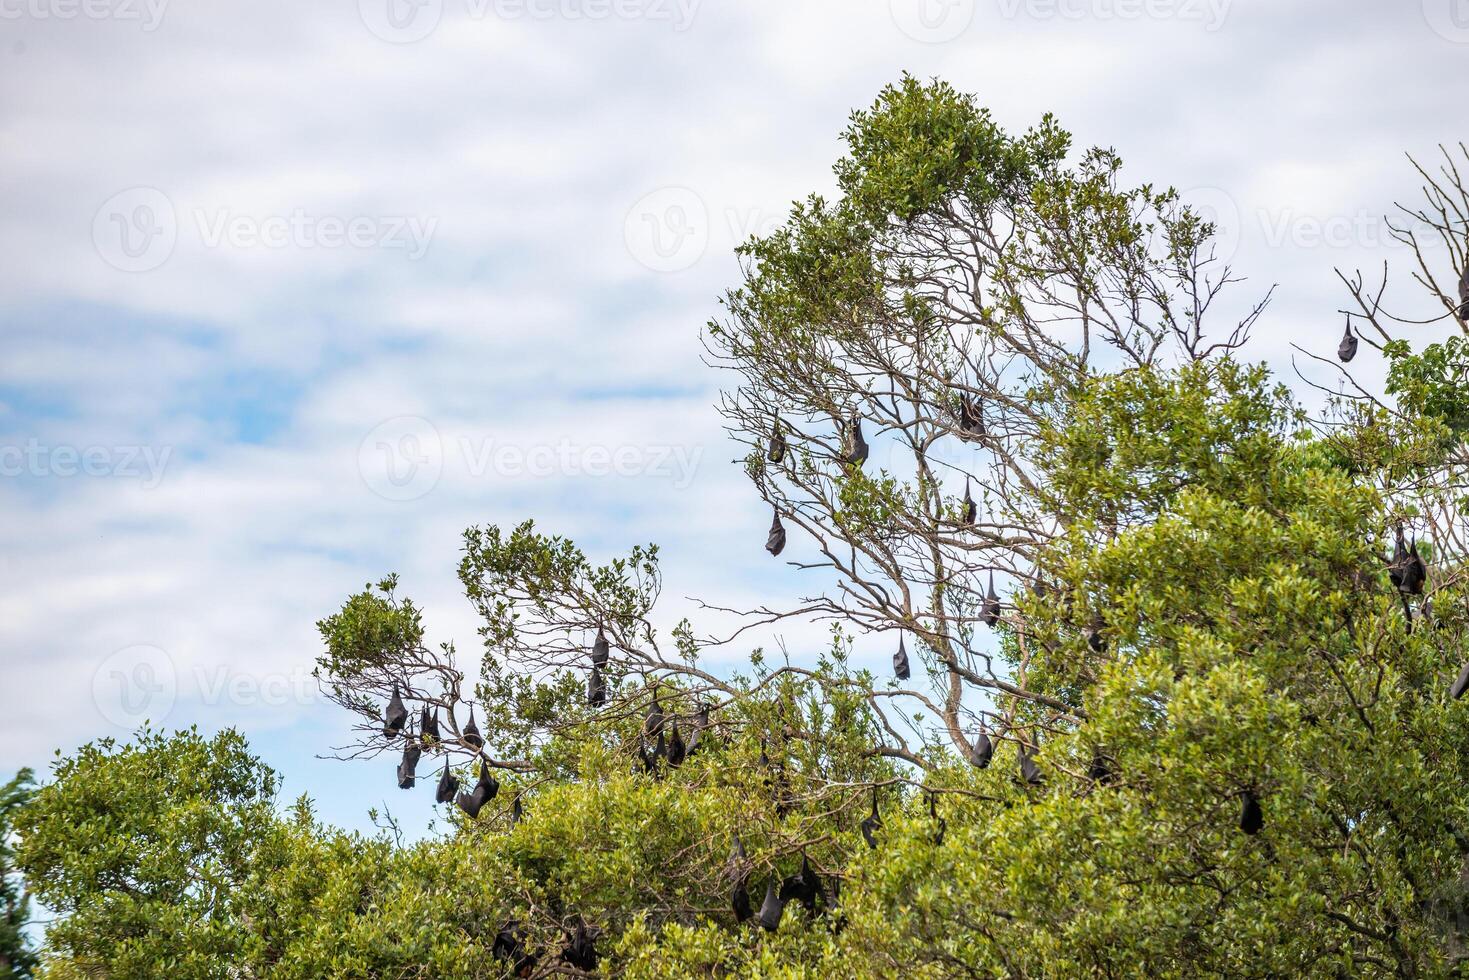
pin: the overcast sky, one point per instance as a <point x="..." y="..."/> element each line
<point x="292" y="293"/>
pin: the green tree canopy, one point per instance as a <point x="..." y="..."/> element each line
<point x="17" y="957"/>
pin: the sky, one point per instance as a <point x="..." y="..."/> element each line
<point x="292" y="293"/>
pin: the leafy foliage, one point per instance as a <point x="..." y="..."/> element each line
<point x="146" y="851"/>
<point x="17" y="957"/>
<point x="1432" y="383"/>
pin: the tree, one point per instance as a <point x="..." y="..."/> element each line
<point x="143" y="852"/>
<point x="17" y="958"/>
<point x="958" y="299"/>
<point x="1183" y="702"/>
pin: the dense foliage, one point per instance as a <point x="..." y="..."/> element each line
<point x="17" y="957"/>
<point x="1206" y="730"/>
